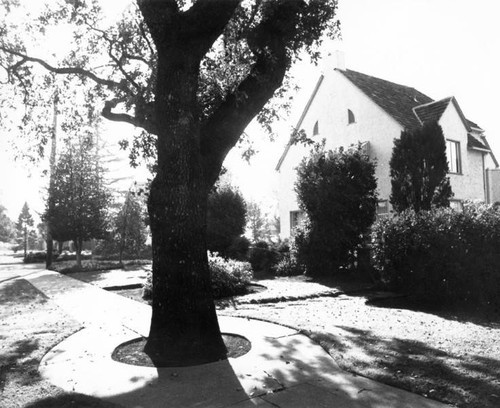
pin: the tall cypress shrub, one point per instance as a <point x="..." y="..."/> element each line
<point x="419" y="170"/>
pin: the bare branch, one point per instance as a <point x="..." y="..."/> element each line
<point x="63" y="70"/>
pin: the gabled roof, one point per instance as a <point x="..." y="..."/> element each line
<point x="409" y="107"/>
<point x="432" y="111"/>
<point x="397" y="100"/>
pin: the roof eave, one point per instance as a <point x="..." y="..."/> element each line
<point x="299" y="122"/>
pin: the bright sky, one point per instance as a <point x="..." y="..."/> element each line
<point x="440" y="47"/>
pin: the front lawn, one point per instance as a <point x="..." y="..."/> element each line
<point x="448" y="356"/>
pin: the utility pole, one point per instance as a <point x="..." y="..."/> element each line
<point x="50" y="241"/>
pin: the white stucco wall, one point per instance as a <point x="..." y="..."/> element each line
<point x="335" y="96"/>
<point x="469" y="185"/>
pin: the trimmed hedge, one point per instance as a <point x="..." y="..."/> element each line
<point x="441" y="256"/>
<point x="229" y="277"/>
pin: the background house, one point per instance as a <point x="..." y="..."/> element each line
<point x="348" y="107"/>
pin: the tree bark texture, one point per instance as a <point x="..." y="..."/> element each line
<point x="184" y="328"/>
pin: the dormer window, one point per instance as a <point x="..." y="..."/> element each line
<point x="316" y="129"/>
<point x="350" y="117"/>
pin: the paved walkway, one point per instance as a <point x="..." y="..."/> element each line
<point x="283" y="368"/>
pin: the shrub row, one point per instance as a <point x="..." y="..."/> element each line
<point x="441" y="256"/>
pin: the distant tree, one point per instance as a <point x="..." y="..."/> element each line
<point x="257" y="223"/>
<point x="419" y="170"/>
<point x="337" y="190"/>
<point x="78" y="202"/>
<point x="23" y="226"/>
<point x="7" y="226"/>
<point x="130" y="228"/>
<point x="226" y="218"/>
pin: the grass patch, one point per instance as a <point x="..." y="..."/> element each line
<point x="30" y="326"/>
<point x="450" y="357"/>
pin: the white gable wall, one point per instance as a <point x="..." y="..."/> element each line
<point x="335" y="96"/>
<point x="469" y="185"/>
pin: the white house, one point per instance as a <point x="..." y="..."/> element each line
<point x="347" y="107"/>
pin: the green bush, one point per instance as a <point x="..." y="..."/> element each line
<point x="226" y="212"/>
<point x="337" y="190"/>
<point x="38" y="257"/>
<point x="441" y="256"/>
<point x="239" y="249"/>
<point x="262" y="257"/>
<point x="229" y="277"/>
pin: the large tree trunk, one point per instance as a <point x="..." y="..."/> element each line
<point x="184" y="328"/>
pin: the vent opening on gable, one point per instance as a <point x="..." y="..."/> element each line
<point x="316" y="129"/>
<point x="350" y="117"/>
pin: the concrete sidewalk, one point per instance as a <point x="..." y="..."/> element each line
<point x="283" y="368"/>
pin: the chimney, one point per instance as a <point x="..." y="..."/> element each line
<point x="335" y="60"/>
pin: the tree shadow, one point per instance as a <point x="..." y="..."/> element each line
<point x="467" y="380"/>
<point x="20" y="291"/>
<point x="486" y="317"/>
<point x="16" y="366"/>
<point x="288" y="371"/>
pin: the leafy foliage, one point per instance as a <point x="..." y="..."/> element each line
<point x="441" y="256"/>
<point x="130" y="230"/>
<point x="337" y="190"/>
<point x="78" y="200"/>
<point x="229" y="277"/>
<point x="225" y="218"/>
<point x="7" y="226"/>
<point x="418" y="170"/>
<point x="257" y="223"/>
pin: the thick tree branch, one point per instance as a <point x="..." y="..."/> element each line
<point x="63" y="70"/>
<point x="144" y="122"/>
<point x="224" y="127"/>
<point x="196" y="28"/>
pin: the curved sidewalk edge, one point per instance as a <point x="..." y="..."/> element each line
<point x="283" y="368"/>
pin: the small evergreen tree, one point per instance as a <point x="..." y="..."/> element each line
<point x="24" y="222"/>
<point x="78" y="202"/>
<point x="418" y="170"/>
<point x="226" y="218"/>
<point x="337" y="190"/>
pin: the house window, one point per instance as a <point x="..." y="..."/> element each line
<point x="350" y="117"/>
<point x="456" y="205"/>
<point x="296" y="217"/>
<point x="316" y="129"/>
<point x="453" y="155"/>
<point x="382" y="208"/>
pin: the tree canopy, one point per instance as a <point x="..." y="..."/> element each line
<point x="419" y="170"/>
<point x="191" y="75"/>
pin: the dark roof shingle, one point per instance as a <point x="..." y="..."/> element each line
<point x="431" y="112"/>
<point x="397" y="100"/>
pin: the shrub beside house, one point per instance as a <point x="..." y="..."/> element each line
<point x="347" y="107"/>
